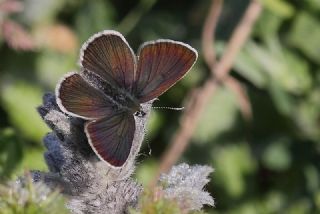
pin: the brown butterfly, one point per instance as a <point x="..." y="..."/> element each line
<point x="112" y="84"/>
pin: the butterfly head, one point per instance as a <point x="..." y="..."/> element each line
<point x="140" y="113"/>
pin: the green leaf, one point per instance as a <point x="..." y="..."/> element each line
<point x="312" y="178"/>
<point x="92" y="17"/>
<point x="219" y="116"/>
<point x="145" y="172"/>
<point x="20" y="100"/>
<point x="194" y="77"/>
<point x="250" y="69"/>
<point x="268" y="24"/>
<point x="281" y="99"/>
<point x="33" y="159"/>
<point x="154" y="123"/>
<point x="133" y="18"/>
<point x="277" y="156"/>
<point x="51" y="66"/>
<point x="232" y="164"/>
<point x="279" y="7"/>
<point x="10" y="152"/>
<point x="272" y="202"/>
<point x="300" y="206"/>
<point x="305" y="35"/>
<point x="314" y="4"/>
<point x="307" y="115"/>
<point x="290" y="72"/>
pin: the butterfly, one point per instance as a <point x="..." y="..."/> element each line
<point x="113" y="83"/>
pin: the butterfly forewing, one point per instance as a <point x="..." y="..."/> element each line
<point x="111" y="137"/>
<point x="109" y="55"/>
<point x="76" y="97"/>
<point x="161" y="64"/>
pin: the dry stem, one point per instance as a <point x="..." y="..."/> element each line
<point x="199" y="98"/>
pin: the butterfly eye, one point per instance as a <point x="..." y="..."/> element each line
<point x="140" y="113"/>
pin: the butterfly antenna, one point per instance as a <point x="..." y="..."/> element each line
<point x="170" y="108"/>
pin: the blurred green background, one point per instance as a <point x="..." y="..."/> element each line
<point x="270" y="165"/>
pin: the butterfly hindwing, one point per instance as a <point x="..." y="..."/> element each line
<point x="111" y="137"/>
<point x="78" y="98"/>
<point x="160" y="65"/>
<point x="108" y="55"/>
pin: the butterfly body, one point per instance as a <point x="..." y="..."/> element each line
<point x="112" y="85"/>
<point x="122" y="100"/>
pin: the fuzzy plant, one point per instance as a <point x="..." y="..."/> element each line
<point x="27" y="197"/>
<point x="92" y="186"/>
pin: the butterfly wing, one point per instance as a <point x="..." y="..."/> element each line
<point x="110" y="132"/>
<point x="76" y="97"/>
<point x="108" y="55"/>
<point x="160" y="65"/>
<point x="111" y="137"/>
